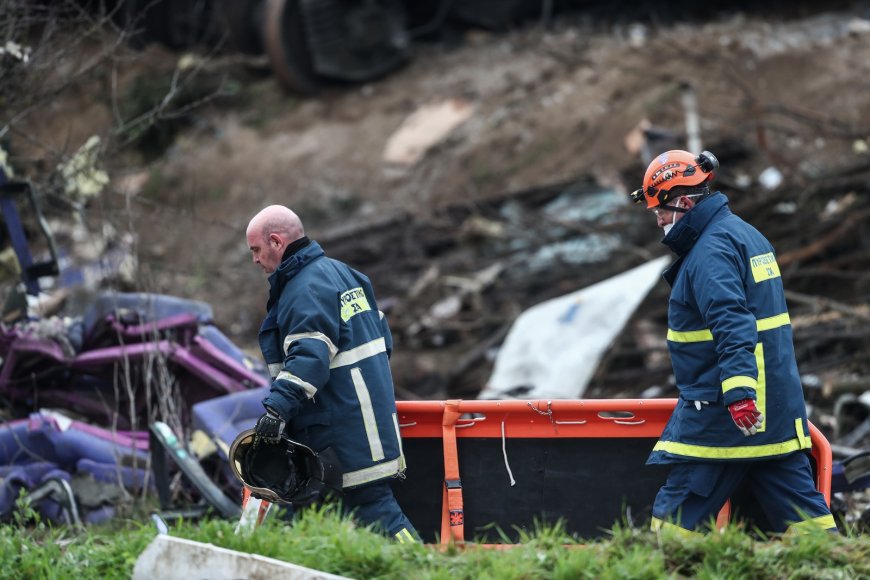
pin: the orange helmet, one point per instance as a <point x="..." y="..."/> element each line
<point x="672" y="169"/>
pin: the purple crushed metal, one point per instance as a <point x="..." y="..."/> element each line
<point x="52" y="364"/>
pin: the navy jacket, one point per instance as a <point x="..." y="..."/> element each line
<point x="327" y="346"/>
<point x="730" y="338"/>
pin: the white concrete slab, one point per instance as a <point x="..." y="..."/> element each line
<point x="170" y="558"/>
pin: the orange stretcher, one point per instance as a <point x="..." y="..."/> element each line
<point x="486" y="470"/>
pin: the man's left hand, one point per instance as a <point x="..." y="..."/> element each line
<point x="746" y="416"/>
<point x="270" y="426"/>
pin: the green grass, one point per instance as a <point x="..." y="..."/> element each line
<point x="323" y="540"/>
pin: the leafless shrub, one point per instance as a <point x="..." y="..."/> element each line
<point x="69" y="103"/>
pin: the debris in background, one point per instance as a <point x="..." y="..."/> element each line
<point x="61" y="462"/>
<point x="165" y="443"/>
<point x="130" y="361"/>
<point x="635" y="140"/>
<point x="553" y="348"/>
<point x="81" y="174"/>
<point x="693" y="120"/>
<point x="426" y="127"/>
<point x="770" y="178"/>
<point x="171" y="355"/>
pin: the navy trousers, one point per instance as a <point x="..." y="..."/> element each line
<point x="376" y="505"/>
<point x="695" y="492"/>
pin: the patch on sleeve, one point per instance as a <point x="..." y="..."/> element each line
<point x="764" y="267"/>
<point x="352" y="303"/>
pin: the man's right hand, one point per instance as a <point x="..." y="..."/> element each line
<point x="746" y="416"/>
<point x="270" y="427"/>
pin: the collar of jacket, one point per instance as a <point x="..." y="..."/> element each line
<point x="294" y="247"/>
<point x="289" y="268"/>
<point x="686" y="232"/>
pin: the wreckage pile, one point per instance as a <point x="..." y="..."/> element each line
<point x="85" y="390"/>
<point x="455" y="279"/>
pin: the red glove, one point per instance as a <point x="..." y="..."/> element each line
<point x="746" y="416"/>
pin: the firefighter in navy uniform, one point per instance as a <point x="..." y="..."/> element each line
<point x="741" y="414"/>
<point x="328" y="346"/>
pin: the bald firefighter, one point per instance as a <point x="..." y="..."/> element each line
<point x="327" y="347"/>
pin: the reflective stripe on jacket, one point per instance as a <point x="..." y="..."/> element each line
<point x="730" y="338"/>
<point x="328" y="347"/>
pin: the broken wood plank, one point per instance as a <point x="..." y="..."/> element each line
<point x="820" y="302"/>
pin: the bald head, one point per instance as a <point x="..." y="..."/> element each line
<point x="277" y="219"/>
<point x="270" y="232"/>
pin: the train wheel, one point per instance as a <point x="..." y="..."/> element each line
<point x="286" y="46"/>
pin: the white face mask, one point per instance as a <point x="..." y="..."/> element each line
<point x="667" y="227"/>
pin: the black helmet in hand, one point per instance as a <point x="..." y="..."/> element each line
<point x="284" y="472"/>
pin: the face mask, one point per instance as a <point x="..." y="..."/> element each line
<point x="667" y="227"/>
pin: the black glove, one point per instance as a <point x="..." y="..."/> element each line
<point x="269" y="427"/>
